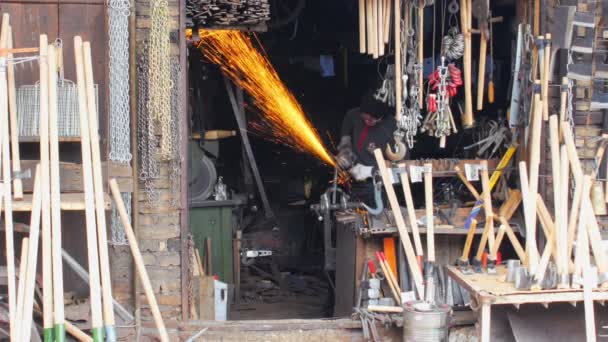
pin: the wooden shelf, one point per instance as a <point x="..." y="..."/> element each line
<point x="37" y="139"/>
<point x="69" y="202"/>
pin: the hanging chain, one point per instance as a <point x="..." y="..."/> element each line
<point x="118" y="231"/>
<point x="160" y="73"/>
<point x="120" y="144"/>
<point x="177" y="102"/>
<point x="146" y="139"/>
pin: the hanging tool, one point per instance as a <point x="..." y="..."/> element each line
<point x="395" y="207"/>
<point x="491" y="81"/>
<point x="465" y="22"/>
<point x="515" y="90"/>
<point x="362" y="48"/>
<point x="421" y="4"/>
<point x="139" y="263"/>
<point x="399" y="134"/>
<point x="481" y="11"/>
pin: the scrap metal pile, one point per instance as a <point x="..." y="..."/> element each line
<point x="223" y="13"/>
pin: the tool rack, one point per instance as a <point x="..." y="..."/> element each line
<point x="489" y="289"/>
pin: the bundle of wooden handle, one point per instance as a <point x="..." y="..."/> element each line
<point x="45" y="219"/>
<point x="374" y="26"/>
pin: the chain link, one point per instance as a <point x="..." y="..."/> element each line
<point x="146" y="139"/>
<point x="120" y="144"/>
<point x="177" y="102"/>
<point x="159" y="70"/>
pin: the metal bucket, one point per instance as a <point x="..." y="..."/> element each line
<point x="424" y="322"/>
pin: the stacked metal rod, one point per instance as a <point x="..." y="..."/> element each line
<point x="208" y="13"/>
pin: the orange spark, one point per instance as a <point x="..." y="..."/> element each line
<point x="234" y="52"/>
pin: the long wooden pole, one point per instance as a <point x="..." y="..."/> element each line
<point x="104" y="260"/>
<point x="396" y="209"/>
<point x="411" y="212"/>
<point x="362" y="26"/>
<point x="467" y="120"/>
<point x="380" y="27"/>
<point x="530" y="215"/>
<point x="546" y="70"/>
<point x="389" y="280"/>
<point x="374" y="35"/>
<point x="25" y="332"/>
<point x="487" y="203"/>
<point x="77" y="333"/>
<point x="14" y="131"/>
<point x="556" y="180"/>
<point x="139" y="263"/>
<point x="47" y="260"/>
<point x="428" y="200"/>
<point x="421" y="53"/>
<point x="398" y="69"/>
<point x="481" y="71"/>
<point x="55" y="203"/>
<point x="6" y="173"/>
<point x="87" y="176"/>
<point x="21" y="284"/>
<point x="369" y="21"/>
<point x="562" y="225"/>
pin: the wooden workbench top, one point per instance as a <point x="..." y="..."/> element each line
<point x="491" y="288"/>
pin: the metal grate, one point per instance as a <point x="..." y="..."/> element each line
<point x="28" y="113"/>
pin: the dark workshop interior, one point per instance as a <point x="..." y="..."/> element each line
<point x="298" y="36"/>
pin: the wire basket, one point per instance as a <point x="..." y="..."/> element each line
<point x="68" y="120"/>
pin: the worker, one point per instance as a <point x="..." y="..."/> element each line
<point x="364" y="129"/>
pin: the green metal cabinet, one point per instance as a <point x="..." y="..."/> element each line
<point x="215" y="220"/>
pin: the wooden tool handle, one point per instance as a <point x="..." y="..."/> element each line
<point x="421" y="54"/>
<point x="467" y="119"/>
<point x="89" y="196"/>
<point x="411" y="212"/>
<point x="481" y="71"/>
<point x="466" y="183"/>
<point x="77" y="333"/>
<point x="547" y="69"/>
<point x="139" y="263"/>
<point x="387" y="20"/>
<point x="562" y="225"/>
<point x="369" y="21"/>
<point x="519" y="250"/>
<point x="469" y="241"/>
<point x="14" y="128"/>
<point x="21" y="285"/>
<point x="430" y="224"/>
<point x="483" y="241"/>
<point x="374" y="35"/>
<point x="487" y="202"/>
<point x="563" y="99"/>
<point x="556" y="179"/>
<point x="380" y="27"/>
<point x="385" y="308"/>
<point x="396" y="209"/>
<point x="362" y="26"/>
<point x="390" y="280"/>
<point x="100" y="214"/>
<point x="398" y="69"/>
<point x="498" y="242"/>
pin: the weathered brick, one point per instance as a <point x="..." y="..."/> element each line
<point x="159" y="232"/>
<point x="162" y="259"/>
<point x="165" y="219"/>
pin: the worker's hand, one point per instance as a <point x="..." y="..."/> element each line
<point x="346" y="157"/>
<point x="361" y="172"/>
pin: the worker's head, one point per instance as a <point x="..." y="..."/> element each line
<point x="373" y="110"/>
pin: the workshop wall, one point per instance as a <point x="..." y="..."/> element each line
<point x="158" y="229"/>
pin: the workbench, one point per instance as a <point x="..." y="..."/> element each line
<point x="487" y="290"/>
